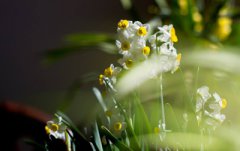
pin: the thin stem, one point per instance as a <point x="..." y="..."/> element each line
<point x="162" y="103"/>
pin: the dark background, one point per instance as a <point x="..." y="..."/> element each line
<point x="30" y="27"/>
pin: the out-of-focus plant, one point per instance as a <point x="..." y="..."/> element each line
<point x="198" y="21"/>
<point x="136" y="110"/>
<point x="142" y="106"/>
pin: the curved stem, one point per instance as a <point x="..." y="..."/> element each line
<point x="162" y="103"/>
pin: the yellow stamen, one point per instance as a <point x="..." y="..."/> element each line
<point x="117" y="126"/>
<point x="146" y="50"/>
<point x="156" y="130"/>
<point x="173" y="35"/>
<point x="54" y="127"/>
<point x="123" y="24"/>
<point x="47" y="129"/>
<point x="108" y="72"/>
<point x="179" y="57"/>
<point x="129" y="63"/>
<point x="142" y="31"/>
<point x="224" y="103"/>
<point x="108" y="113"/>
<point x="100" y="79"/>
<point x="125" y="46"/>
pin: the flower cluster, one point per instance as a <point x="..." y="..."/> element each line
<point x="136" y="44"/>
<point x="208" y="107"/>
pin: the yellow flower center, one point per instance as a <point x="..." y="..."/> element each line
<point x="146" y="50"/>
<point x="54" y="127"/>
<point x="156" y="130"/>
<point x="108" y="113"/>
<point x="47" y="129"/>
<point x="224" y="103"/>
<point x="123" y="24"/>
<point x="117" y="126"/>
<point x="173" y="35"/>
<point x="101" y="79"/>
<point x="129" y="63"/>
<point x="125" y="46"/>
<point x="108" y="72"/>
<point x="142" y="31"/>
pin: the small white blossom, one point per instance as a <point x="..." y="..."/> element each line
<point x="204" y="93"/>
<point x="168" y="49"/>
<point x="56" y="128"/>
<point x="167" y="34"/>
<point x="125" y="29"/>
<point x="208" y="107"/>
<point x="141" y="30"/>
<point x="117" y="124"/>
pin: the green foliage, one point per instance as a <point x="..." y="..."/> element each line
<point x="136" y="99"/>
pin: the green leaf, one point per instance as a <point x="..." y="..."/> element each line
<point x="141" y="117"/>
<point x="133" y="138"/>
<point x="53" y="55"/>
<point x="127" y="4"/>
<point x="114" y="140"/>
<point x="88" y="39"/>
<point x="97" y="138"/>
<point x="171" y="119"/>
<point x="99" y="98"/>
<point x="79" y="42"/>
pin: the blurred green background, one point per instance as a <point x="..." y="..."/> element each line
<point x="51" y="51"/>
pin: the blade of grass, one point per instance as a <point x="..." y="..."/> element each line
<point x="114" y="140"/>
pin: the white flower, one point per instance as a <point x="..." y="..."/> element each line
<point x="56" y="128"/>
<point x="109" y="75"/>
<point x="163" y="63"/>
<point x="125" y="29"/>
<point x="141" y="29"/>
<point x="167" y="34"/>
<point x="204" y="93"/>
<point x="124" y="46"/>
<point x="203" y="96"/>
<point x="117" y="125"/>
<point x="208" y="108"/>
<point x="168" y="49"/>
<point x="214" y="119"/>
<point x="153" y="41"/>
<point x="127" y="61"/>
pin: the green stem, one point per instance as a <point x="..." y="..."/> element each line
<point x="114" y="140"/>
<point x="162" y="103"/>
